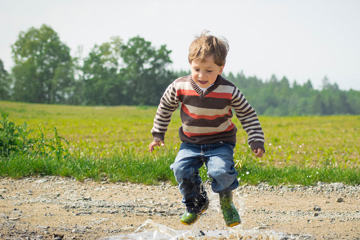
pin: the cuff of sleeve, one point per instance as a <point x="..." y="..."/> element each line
<point x="158" y="136"/>
<point x="256" y="145"/>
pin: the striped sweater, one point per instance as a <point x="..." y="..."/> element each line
<point x="206" y="115"/>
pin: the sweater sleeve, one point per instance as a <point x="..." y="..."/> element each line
<point x="248" y="119"/>
<point x="169" y="102"/>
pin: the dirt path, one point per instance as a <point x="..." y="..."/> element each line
<point x="62" y="208"/>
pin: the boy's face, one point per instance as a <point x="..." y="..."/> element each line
<point x="205" y="73"/>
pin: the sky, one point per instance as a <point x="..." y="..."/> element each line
<point x="299" y="39"/>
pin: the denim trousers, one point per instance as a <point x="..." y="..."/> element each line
<point x="219" y="161"/>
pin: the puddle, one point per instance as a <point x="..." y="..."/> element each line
<point x="150" y="230"/>
<point x="154" y="231"/>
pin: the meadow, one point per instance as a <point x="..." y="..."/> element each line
<point x="112" y="143"/>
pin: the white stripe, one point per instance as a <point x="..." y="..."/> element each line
<point x="207" y="111"/>
<point x="224" y="89"/>
<point x="157" y="130"/>
<point x="239" y="108"/>
<point x="246" y="120"/>
<point x="192" y="129"/>
<point x="184" y="86"/>
<point x="253" y="129"/>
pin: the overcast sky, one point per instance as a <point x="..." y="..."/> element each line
<point x="299" y="39"/>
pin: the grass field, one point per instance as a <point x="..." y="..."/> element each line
<point x="112" y="142"/>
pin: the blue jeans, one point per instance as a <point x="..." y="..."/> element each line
<point x="219" y="161"/>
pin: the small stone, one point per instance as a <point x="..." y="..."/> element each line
<point x="43" y="180"/>
<point x="317" y="208"/>
<point x="58" y="236"/>
<point x="337" y="186"/>
<point x="320" y="184"/>
<point x="43" y="227"/>
<point x="339" y="200"/>
<point x="86" y="198"/>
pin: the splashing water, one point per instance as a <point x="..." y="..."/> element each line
<point x="155" y="231"/>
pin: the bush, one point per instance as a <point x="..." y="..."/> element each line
<point x="17" y="139"/>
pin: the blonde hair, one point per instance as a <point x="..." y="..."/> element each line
<point x="207" y="45"/>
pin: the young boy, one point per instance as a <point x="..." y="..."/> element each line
<point x="207" y="133"/>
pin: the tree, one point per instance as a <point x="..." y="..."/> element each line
<point x="5" y="83"/>
<point x="145" y="71"/>
<point x="43" y="71"/>
<point x="353" y="100"/>
<point x="103" y="85"/>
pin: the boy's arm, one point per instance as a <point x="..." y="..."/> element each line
<point x="249" y="121"/>
<point x="169" y="102"/>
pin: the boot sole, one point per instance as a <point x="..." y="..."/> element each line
<point x="233" y="224"/>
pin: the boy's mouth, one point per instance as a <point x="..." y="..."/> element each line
<point x="203" y="82"/>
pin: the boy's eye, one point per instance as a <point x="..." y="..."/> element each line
<point x="209" y="71"/>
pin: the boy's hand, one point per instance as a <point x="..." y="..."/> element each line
<point x="258" y="152"/>
<point x="154" y="144"/>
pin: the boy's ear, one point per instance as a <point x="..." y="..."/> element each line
<point x="221" y="69"/>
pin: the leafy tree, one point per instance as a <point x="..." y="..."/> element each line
<point x="145" y="71"/>
<point x="5" y="83"/>
<point x="43" y="71"/>
<point x="102" y="83"/>
<point x="353" y="101"/>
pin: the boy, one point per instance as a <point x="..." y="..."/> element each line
<point x="207" y="133"/>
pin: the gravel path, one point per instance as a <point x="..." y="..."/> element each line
<point x="62" y="208"/>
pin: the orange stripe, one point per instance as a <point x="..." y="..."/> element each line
<point x="219" y="95"/>
<point x="186" y="92"/>
<point x="189" y="134"/>
<point x="195" y="116"/>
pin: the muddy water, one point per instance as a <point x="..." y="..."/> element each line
<point x="155" y="231"/>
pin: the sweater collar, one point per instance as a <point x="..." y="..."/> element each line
<point x="209" y="90"/>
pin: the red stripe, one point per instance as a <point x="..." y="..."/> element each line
<point x="189" y="134"/>
<point x="195" y="116"/>
<point x="219" y="95"/>
<point x="186" y="92"/>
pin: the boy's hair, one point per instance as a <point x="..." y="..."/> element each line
<point x="207" y="45"/>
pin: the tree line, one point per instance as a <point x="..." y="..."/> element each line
<point x="136" y="73"/>
<point x="277" y="97"/>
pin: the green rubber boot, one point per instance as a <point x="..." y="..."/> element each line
<point x="189" y="218"/>
<point x="193" y="214"/>
<point x="231" y="215"/>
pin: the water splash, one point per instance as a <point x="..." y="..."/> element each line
<point x="150" y="230"/>
<point x="154" y="231"/>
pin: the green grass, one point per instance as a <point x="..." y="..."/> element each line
<point x="122" y="168"/>
<point x="111" y="142"/>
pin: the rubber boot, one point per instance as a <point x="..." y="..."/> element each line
<point x="193" y="213"/>
<point x="231" y="215"/>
